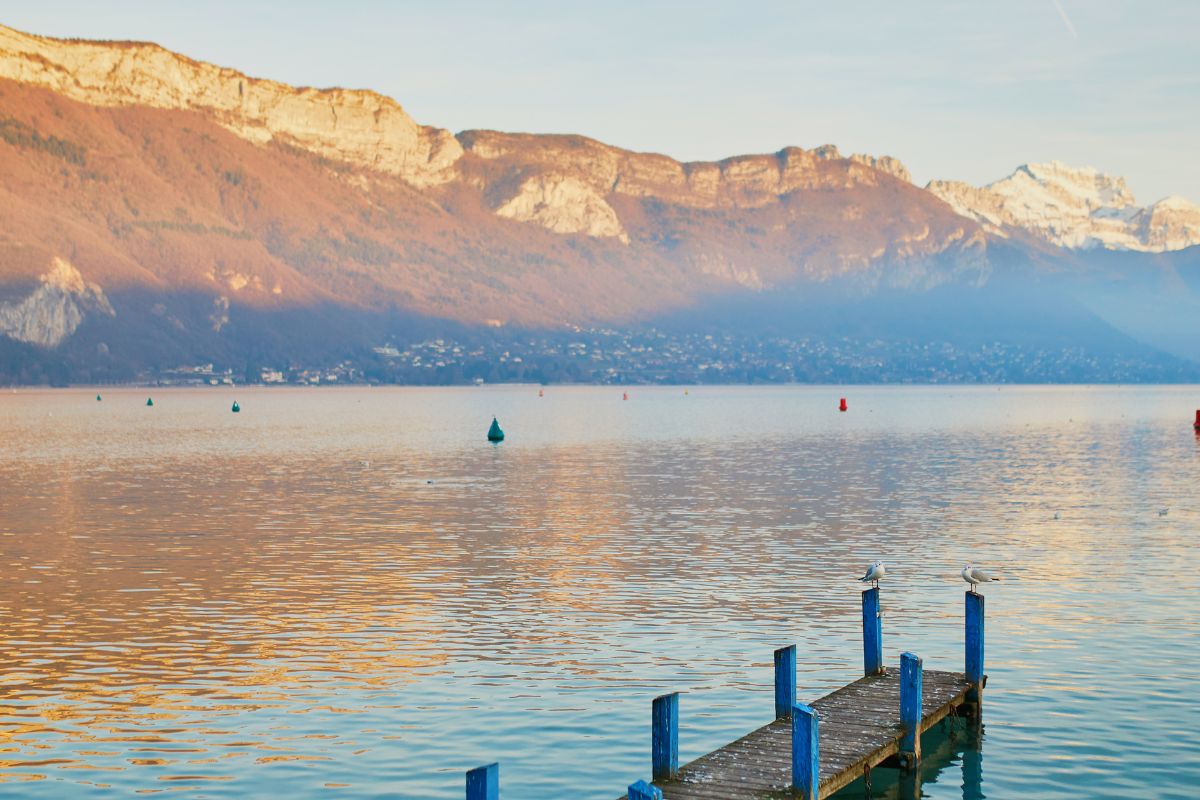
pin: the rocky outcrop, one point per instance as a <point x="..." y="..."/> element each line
<point x="1078" y="208"/>
<point x="750" y="181"/>
<point x="564" y="205"/>
<point x="54" y="310"/>
<point x="566" y="183"/>
<point x="560" y="182"/>
<point x="360" y="127"/>
<point x="885" y="164"/>
<point x="1170" y="224"/>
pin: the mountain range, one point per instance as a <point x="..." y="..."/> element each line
<point x="159" y="210"/>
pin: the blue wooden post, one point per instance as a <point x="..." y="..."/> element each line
<point x="664" y="737"/>
<point x="483" y="783"/>
<point x="644" y="791"/>
<point x="785" y="681"/>
<point x="974" y="640"/>
<point x="910" y="709"/>
<point x="872" y="633"/>
<point x="806" y="758"/>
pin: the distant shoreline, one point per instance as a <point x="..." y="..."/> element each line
<point x="525" y="384"/>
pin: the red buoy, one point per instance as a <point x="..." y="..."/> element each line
<point x="624" y="395"/>
<point x="1197" y="425"/>
<point x="842" y="407"/>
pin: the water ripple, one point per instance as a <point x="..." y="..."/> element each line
<point x="349" y="592"/>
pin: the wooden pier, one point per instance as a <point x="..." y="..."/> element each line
<point x="812" y="751"/>
<point x="860" y="729"/>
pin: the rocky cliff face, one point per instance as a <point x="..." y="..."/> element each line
<point x="55" y="309"/>
<point x="360" y="127"/>
<point x="563" y="181"/>
<point x="558" y="182"/>
<point x="1077" y="208"/>
<point x="1172" y="223"/>
<point x="155" y="172"/>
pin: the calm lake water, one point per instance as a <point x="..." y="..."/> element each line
<point x="349" y="593"/>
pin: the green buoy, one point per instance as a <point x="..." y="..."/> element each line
<point x="97" y="398"/>
<point x="149" y="401"/>
<point x="494" y="432"/>
<point x="236" y="407"/>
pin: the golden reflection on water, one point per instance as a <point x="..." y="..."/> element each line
<point x="313" y="599"/>
<point x="116" y="627"/>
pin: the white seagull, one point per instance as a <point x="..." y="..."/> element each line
<point x="975" y="576"/>
<point x="875" y="574"/>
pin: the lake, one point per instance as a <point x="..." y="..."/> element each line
<point x="350" y="593"/>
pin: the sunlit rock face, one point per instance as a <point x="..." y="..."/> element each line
<point x="749" y="181"/>
<point x="156" y="173"/>
<point x="370" y="130"/>
<point x="361" y="127"/>
<point x="1172" y="223"/>
<point x="563" y="205"/>
<point x="55" y="309"/>
<point x="1078" y="208"/>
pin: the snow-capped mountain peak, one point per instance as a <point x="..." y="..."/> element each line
<point x="1075" y="207"/>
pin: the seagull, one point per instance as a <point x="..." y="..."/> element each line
<point x="1162" y="512"/>
<point x="976" y="576"/>
<point x="875" y="574"/>
<point x="1057" y="515"/>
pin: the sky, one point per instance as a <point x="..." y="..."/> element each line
<point x="963" y="91"/>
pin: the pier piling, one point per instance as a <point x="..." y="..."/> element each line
<point x="806" y="746"/>
<point x="483" y="783"/>
<point x="785" y="681"/>
<point x="974" y="647"/>
<point x="664" y="736"/>
<point x="910" y="709"/>
<point x="872" y="633"/>
<point x="644" y="791"/>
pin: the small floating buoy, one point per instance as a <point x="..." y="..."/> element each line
<point x="494" y="432"/>
<point x="541" y="393"/>
<point x="97" y="398"/>
<point x="149" y="401"/>
<point x="842" y="405"/>
<point x="236" y="407"/>
<point x="624" y="395"/>
<point x="1197" y="424"/>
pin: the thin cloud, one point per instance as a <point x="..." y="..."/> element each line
<point x="1066" y="20"/>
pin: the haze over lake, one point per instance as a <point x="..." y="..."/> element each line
<point x="350" y="593"/>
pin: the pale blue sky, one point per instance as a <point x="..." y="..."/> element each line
<point x="955" y="90"/>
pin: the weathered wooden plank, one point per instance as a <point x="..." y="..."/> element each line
<point x="859" y="727"/>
